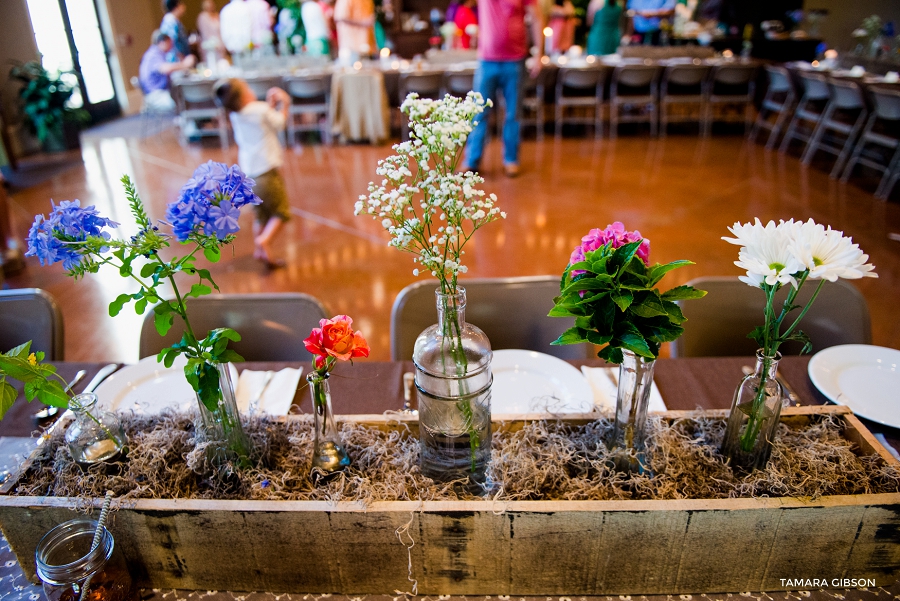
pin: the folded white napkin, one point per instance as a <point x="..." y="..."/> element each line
<point x="604" y="383"/>
<point x="276" y="398"/>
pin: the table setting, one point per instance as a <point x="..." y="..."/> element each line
<point x="210" y="470"/>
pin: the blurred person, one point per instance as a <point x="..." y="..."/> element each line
<point x="210" y="33"/>
<point x="562" y="21"/>
<point x="327" y="7"/>
<point x="155" y="70"/>
<point x="646" y="16"/>
<point x="234" y="26"/>
<point x="605" y="35"/>
<point x="172" y="26"/>
<point x="465" y="15"/>
<point x="261" y="23"/>
<point x="256" y="126"/>
<point x="355" y="20"/>
<point x="502" y="49"/>
<point x="317" y="33"/>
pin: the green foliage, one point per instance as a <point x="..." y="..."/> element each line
<point x="44" y="99"/>
<point x="616" y="304"/>
<point x="40" y="380"/>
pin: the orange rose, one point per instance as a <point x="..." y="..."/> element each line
<point x="335" y="338"/>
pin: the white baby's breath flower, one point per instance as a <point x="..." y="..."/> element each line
<point x="828" y="254"/>
<point x="765" y="252"/>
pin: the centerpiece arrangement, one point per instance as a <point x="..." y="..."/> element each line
<point x="789" y="253"/>
<point x="609" y="288"/>
<point x="334" y="340"/>
<point x="205" y="217"/>
<point x="432" y="211"/>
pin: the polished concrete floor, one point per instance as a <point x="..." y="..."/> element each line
<point x="681" y="192"/>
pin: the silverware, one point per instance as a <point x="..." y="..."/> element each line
<point x="48" y="412"/>
<point x="789" y="396"/>
<point x="101" y="375"/>
<point x="410" y="401"/>
<point x="255" y="402"/>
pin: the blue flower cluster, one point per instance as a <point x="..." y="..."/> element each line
<point x="210" y="202"/>
<point x="50" y="238"/>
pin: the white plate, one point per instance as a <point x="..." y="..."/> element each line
<point x="532" y="382"/>
<point x="863" y="377"/>
<point x="147" y="387"/>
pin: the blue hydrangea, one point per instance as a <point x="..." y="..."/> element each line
<point x="49" y="238"/>
<point x="210" y="202"/>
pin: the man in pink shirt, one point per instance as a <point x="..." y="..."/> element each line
<point x="502" y="49"/>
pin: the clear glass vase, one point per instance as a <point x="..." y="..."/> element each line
<point x="329" y="454"/>
<point x="453" y="381"/>
<point x="95" y="435"/>
<point x="632" y="399"/>
<point x="72" y="569"/>
<point x="753" y="420"/>
<point x="222" y="426"/>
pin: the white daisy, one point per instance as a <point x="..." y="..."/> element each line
<point x="828" y="254"/>
<point x="765" y="252"/>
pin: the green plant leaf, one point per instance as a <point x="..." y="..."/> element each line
<point x="53" y="393"/>
<point x="229" y="356"/>
<point x="622" y="257"/>
<point x="759" y="335"/>
<point x="115" y="307"/>
<point x="198" y="290"/>
<point x="583" y="322"/>
<point x="597" y="338"/>
<point x="140" y="306"/>
<point x="212" y="254"/>
<point x="649" y="306"/>
<point x="674" y="311"/>
<point x="22" y="351"/>
<point x="611" y="354"/>
<point x="163" y="321"/>
<point x="801" y="336"/>
<point x="600" y="282"/>
<point x="8" y="396"/>
<point x="570" y="336"/>
<point x="148" y="270"/>
<point x="657" y="272"/>
<point x="622" y="298"/>
<point x="634" y="342"/>
<point x="560" y="311"/>
<point x="683" y="293"/>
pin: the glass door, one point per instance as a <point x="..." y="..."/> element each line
<point x="70" y="40"/>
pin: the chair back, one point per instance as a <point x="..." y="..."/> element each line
<point x="887" y="103"/>
<point x="272" y="325"/>
<point x="580" y="78"/>
<point x="779" y="79"/>
<point x="846" y="94"/>
<point x="459" y="83"/>
<point x="262" y="85"/>
<point x="733" y="75"/>
<point x="719" y="323"/>
<point x="511" y="311"/>
<point x="307" y="86"/>
<point x="815" y="86"/>
<point x="634" y="75"/>
<point x="31" y="314"/>
<point x="426" y="84"/>
<point x="687" y="75"/>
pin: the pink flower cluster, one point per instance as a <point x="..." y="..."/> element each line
<point x="615" y="233"/>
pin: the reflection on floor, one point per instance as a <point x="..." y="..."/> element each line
<point x="680" y="192"/>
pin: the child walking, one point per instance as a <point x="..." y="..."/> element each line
<point x="256" y="125"/>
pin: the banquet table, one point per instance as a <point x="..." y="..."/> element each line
<point x="369" y="387"/>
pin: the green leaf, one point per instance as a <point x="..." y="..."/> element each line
<point x="560" y="311"/>
<point x="8" y="396"/>
<point x="649" y="306"/>
<point x="759" y="335"/>
<point x="583" y="322"/>
<point x="204" y="379"/>
<point x="163" y="321"/>
<point x="115" y="307"/>
<point x="597" y="338"/>
<point x="801" y="336"/>
<point x="683" y="293"/>
<point x="205" y="275"/>
<point x="634" y="342"/>
<point x="622" y="298"/>
<point x="140" y="306"/>
<point x="658" y="271"/>
<point x="148" y="270"/>
<point x="229" y="356"/>
<point x="570" y="336"/>
<point x="622" y="257"/>
<point x="53" y="393"/>
<point x="212" y="254"/>
<point x="22" y="351"/>
<point x="611" y="354"/>
<point x="674" y="311"/>
<point x="600" y="282"/>
<point x="198" y="290"/>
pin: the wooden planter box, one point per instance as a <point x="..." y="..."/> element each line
<point x="488" y="548"/>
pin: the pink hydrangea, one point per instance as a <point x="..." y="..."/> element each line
<point x="615" y="233"/>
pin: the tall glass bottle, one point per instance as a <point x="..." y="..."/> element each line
<point x="329" y="454"/>
<point x="453" y="381"/>
<point x="632" y="400"/>
<point x="754" y="416"/>
<point x="222" y="427"/>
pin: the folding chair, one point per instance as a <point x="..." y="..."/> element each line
<point x="310" y="95"/>
<point x="196" y="101"/>
<point x="31" y="314"/>
<point x="886" y="108"/>
<point x="845" y="114"/>
<point x="684" y="84"/>
<point x="810" y="108"/>
<point x="580" y="87"/>
<point x="634" y="85"/>
<point x="779" y="100"/>
<point x="731" y="85"/>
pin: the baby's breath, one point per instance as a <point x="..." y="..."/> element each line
<point x="426" y="207"/>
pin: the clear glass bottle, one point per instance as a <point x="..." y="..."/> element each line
<point x="73" y="571"/>
<point x="632" y="400"/>
<point x="754" y="416"/>
<point x="453" y="381"/>
<point x="95" y="435"/>
<point x="223" y="426"/>
<point x="329" y="454"/>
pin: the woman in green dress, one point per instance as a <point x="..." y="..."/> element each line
<point x="604" y="17"/>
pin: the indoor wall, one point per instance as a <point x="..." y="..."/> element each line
<point x="843" y="17"/>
